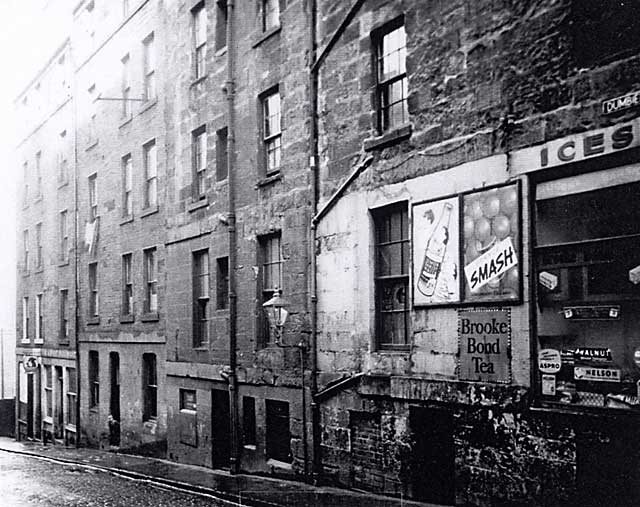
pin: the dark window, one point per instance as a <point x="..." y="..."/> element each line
<point x="93" y="290"/>
<point x="149" y="387"/>
<point x="48" y="391"/>
<point x="188" y="399"/>
<point x="391" y="74"/>
<point x="150" y="175"/>
<point x="64" y="236"/>
<point x="93" y="197"/>
<point x="71" y="396"/>
<point x="270" y="14"/>
<point x="64" y="315"/>
<point x="271" y="131"/>
<point x="40" y="317"/>
<point x="249" y="420"/>
<point x="270" y="277"/>
<point x="221" y="154"/>
<point x="278" y="432"/>
<point x="25" y="319"/>
<point x="127" y="285"/>
<point x="200" y="40"/>
<point x="150" y="281"/>
<point x="221" y="24"/>
<point x="199" y="144"/>
<point x="127" y="186"/>
<point x="94" y="379"/>
<point x="392" y="275"/>
<point x="222" y="283"/>
<point x="200" y="298"/>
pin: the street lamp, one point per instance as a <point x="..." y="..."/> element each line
<point x="276" y="312"/>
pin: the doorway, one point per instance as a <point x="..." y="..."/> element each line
<point x="30" y="419"/>
<point x="58" y="425"/>
<point x="114" y="399"/>
<point x="220" y="428"/>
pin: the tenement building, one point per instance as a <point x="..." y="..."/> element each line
<point x="390" y="246"/>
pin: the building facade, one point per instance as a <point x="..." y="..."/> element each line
<point x="443" y="195"/>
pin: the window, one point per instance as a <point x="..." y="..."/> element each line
<point x="270" y="262"/>
<point x="149" y="387"/>
<point x="92" y="109"/>
<point x="93" y="290"/>
<point x="392" y="275"/>
<point x="71" y="396"/>
<point x="125" y="8"/>
<point x="199" y="143"/>
<point x="271" y="131"/>
<point x="64" y="235"/>
<point x="126" y="87"/>
<point x="200" y="40"/>
<point x="149" y="77"/>
<point x="221" y="154"/>
<point x="278" y="432"/>
<point x="392" y="76"/>
<point x="63" y="166"/>
<point x="150" y="281"/>
<point x="64" y="315"/>
<point x="94" y="379"/>
<point x="248" y="420"/>
<point x="25" y="249"/>
<point x="25" y="180"/>
<point x="221" y="24"/>
<point x="25" y="319"/>
<point x="150" y="175"/>
<point x="38" y="245"/>
<point x="93" y="197"/>
<point x="127" y="186"/>
<point x="48" y="390"/>
<point x="200" y="298"/>
<point x="222" y="283"/>
<point x="38" y="175"/>
<point x="127" y="285"/>
<point x="188" y="399"/>
<point x="270" y="14"/>
<point x="39" y="318"/>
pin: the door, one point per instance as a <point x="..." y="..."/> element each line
<point x="278" y="433"/>
<point x="433" y="455"/>
<point x="220" y="428"/>
<point x="59" y="396"/>
<point x="114" y="398"/>
<point x="30" y="408"/>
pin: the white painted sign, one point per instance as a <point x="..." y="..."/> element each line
<point x="549" y="361"/>
<point x="621" y="103"/>
<point x="490" y="265"/>
<point x="597" y="374"/>
<point x="549" y="385"/>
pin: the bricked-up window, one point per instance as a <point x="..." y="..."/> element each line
<point x="39" y="317"/>
<point x="48" y="390"/>
<point x="222" y="283"/>
<point x="63" y="164"/>
<point x="38" y="174"/>
<point x="63" y="335"/>
<point x="248" y="420"/>
<point x="271" y="130"/>
<point x="150" y="280"/>
<point x="200" y="39"/>
<point x="270" y="14"/>
<point x="221" y="24"/>
<point x="199" y="149"/>
<point x="25" y="249"/>
<point x="25" y="319"/>
<point x="278" y="432"/>
<point x="127" y="285"/>
<point x="63" y="231"/>
<point x="221" y="154"/>
<point x="71" y="395"/>
<point x="39" y="245"/>
<point x="149" y="65"/>
<point x="150" y="175"/>
<point x="94" y="379"/>
<point x="200" y="298"/>
<point x="127" y="186"/>
<point x="149" y="387"/>
<point x="392" y="92"/>
<point x="93" y="197"/>
<point x="93" y="290"/>
<point x="25" y="182"/>
<point x="392" y="275"/>
<point x="188" y="399"/>
<point x="126" y="86"/>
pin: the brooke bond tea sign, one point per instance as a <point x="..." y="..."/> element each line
<point x="485" y="345"/>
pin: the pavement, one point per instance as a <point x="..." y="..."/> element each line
<point x="239" y="489"/>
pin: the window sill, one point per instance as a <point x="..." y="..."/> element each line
<point x="150" y="317"/>
<point x="25" y="341"/>
<point x="126" y="121"/>
<point x="64" y="342"/>
<point x="63" y="183"/>
<point x="266" y="35"/>
<point x="37" y="199"/>
<point x="204" y="347"/>
<point x="395" y="136"/>
<point x="70" y="427"/>
<point x="38" y="270"/>
<point x="393" y="349"/>
<point x="222" y="51"/>
<point x="201" y="203"/>
<point x="92" y="144"/>
<point x="63" y="263"/>
<point x="26" y="273"/>
<point x="94" y="409"/>
<point x="127" y="319"/>
<point x="250" y="447"/>
<point x="198" y="80"/>
<point x="25" y="205"/>
<point x="93" y="321"/>
<point x="269" y="179"/>
<point x="148" y="105"/>
<point x="283" y="465"/>
<point x="38" y="341"/>
<point x="126" y="219"/>
<point x="149" y="211"/>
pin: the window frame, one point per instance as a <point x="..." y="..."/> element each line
<point x="127" y="186"/>
<point x="127" y="285"/>
<point x="93" y="196"/>
<point x="222" y="154"/>
<point x="25" y="319"/>
<point x="93" y="372"/>
<point x="63" y="231"/>
<point x="222" y="283"/>
<point x="149" y="387"/>
<point x="72" y="393"/>
<point x="126" y="86"/>
<point x="200" y="37"/>
<point x="199" y="162"/>
<point x="39" y="258"/>
<point x="266" y="285"/>
<point x="63" y="330"/>
<point x="94" y="300"/>
<point x="221" y="24"/>
<point x="150" y="275"/>
<point x="270" y="15"/>
<point x="271" y="139"/>
<point x="150" y="180"/>
<point x="201" y="282"/>
<point x="39" y="338"/>
<point x="149" y="67"/>
<point x="188" y="405"/>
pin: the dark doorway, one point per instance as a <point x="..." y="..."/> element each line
<point x="30" y="421"/>
<point x="114" y="398"/>
<point x="221" y="432"/>
<point x="433" y="455"/>
<point x="59" y="412"/>
<point x="278" y="434"/>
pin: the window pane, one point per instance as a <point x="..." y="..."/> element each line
<point x="393" y="53"/>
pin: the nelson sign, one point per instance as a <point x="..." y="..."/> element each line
<point x="485" y="345"/>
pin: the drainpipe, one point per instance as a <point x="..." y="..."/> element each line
<point x="234" y="461"/>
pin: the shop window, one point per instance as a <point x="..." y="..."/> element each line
<point x="200" y="39"/>
<point x="392" y="89"/>
<point x="94" y="379"/>
<point x="277" y="432"/>
<point x="248" y="420"/>
<point x="392" y="275"/>
<point x="150" y="280"/>
<point x="587" y="239"/>
<point x="201" y="307"/>
<point x="149" y="387"/>
<point x="199" y="147"/>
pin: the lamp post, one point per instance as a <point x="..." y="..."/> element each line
<point x="277" y="313"/>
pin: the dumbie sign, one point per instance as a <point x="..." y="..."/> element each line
<point x="491" y="264"/>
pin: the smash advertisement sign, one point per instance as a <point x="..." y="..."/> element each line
<point x="484" y="337"/>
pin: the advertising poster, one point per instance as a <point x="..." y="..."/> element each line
<point x="485" y="345"/>
<point x="491" y="239"/>
<point x="436" y="252"/>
